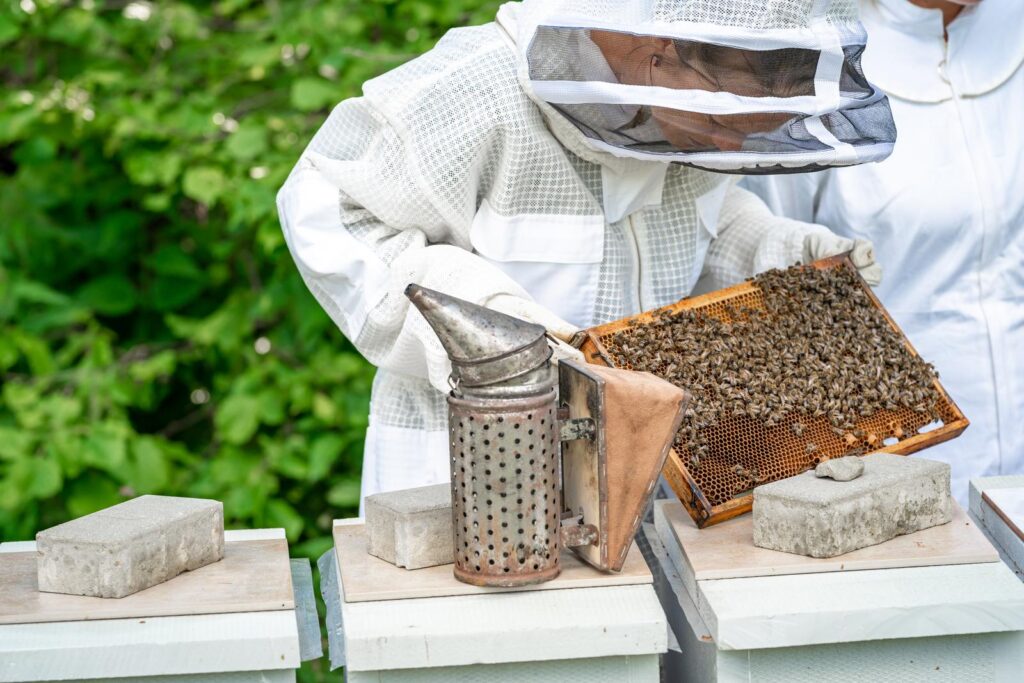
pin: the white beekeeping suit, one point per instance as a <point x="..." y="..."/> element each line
<point x="945" y="212"/>
<point x="526" y="165"/>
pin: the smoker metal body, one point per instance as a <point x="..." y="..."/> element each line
<point x="506" y="497"/>
<point x="504" y="443"/>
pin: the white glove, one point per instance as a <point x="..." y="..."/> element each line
<point x="559" y="331"/>
<point x="819" y="245"/>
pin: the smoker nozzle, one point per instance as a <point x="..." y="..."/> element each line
<point x="485" y="347"/>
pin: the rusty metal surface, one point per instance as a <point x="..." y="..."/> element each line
<point x="485" y="347"/>
<point x="577" y="428"/>
<point x="506" y="500"/>
<point x="576" y="534"/>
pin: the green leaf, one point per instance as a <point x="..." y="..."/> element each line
<point x="248" y="142"/>
<point x="8" y="29"/>
<point x="324" y="408"/>
<point x="271" y="407"/>
<point x="172" y="260"/>
<point x="280" y="513"/>
<point x="112" y="295"/>
<point x="15" y="443"/>
<point x="322" y="454"/>
<point x="311" y="94"/>
<point x="23" y="401"/>
<point x="38" y="293"/>
<point x="105" y="448"/>
<point x="344" y="494"/>
<point x="150" y="470"/>
<point x="153" y="168"/>
<point x="14" y="483"/>
<point x="90" y="493"/>
<point x="237" y="419"/>
<point x="172" y="293"/>
<point x="61" y="410"/>
<point x="46" y="479"/>
<point x="36" y="352"/>
<point x="8" y="351"/>
<point x="205" y="184"/>
<point x="160" y="365"/>
<point x="66" y="448"/>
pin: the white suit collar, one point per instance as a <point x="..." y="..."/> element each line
<point x="907" y="55"/>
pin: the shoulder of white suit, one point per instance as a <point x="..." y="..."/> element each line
<point x="907" y="55"/>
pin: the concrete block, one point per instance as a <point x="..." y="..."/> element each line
<point x="411" y="528"/>
<point x="819" y="517"/>
<point x="129" y="547"/>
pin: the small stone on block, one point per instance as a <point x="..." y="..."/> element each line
<point x="131" y="546"/>
<point x="841" y="469"/>
<point x="820" y="517"/>
<point x="411" y="528"/>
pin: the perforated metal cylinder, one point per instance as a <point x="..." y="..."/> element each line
<point x="506" y="496"/>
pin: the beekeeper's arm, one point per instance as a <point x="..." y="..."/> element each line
<point x="360" y="229"/>
<point x="751" y="239"/>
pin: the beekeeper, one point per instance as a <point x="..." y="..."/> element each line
<point x="946" y="211"/>
<point x="551" y="165"/>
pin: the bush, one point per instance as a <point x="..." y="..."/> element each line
<point x="155" y="336"/>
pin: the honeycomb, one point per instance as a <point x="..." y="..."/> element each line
<point x="739" y="452"/>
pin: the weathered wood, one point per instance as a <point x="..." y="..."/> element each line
<point x="367" y="579"/>
<point x="726" y="550"/>
<point x="254" y="576"/>
<point x="1009" y="505"/>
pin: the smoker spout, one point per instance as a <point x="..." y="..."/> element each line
<point x="486" y="347"/>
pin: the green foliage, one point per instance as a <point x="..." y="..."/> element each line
<point x="154" y="334"/>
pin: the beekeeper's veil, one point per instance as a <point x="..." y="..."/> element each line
<point x="755" y="86"/>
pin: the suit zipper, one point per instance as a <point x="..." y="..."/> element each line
<point x="634" y="245"/>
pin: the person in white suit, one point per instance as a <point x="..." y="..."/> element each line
<point x="555" y="165"/>
<point x="946" y="210"/>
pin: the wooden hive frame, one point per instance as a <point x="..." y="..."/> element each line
<point x="706" y="509"/>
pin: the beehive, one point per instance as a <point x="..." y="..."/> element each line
<point x="719" y="486"/>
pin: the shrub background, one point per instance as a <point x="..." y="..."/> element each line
<point x="155" y="336"/>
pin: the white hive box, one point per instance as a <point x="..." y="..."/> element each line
<point x="610" y="632"/>
<point x="249" y="617"/>
<point x="997" y="504"/>
<point x="940" y="622"/>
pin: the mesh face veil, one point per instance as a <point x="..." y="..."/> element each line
<point x="751" y="86"/>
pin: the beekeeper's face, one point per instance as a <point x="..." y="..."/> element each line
<point x="653" y="61"/>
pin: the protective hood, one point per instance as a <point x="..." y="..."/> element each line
<point x="726" y="85"/>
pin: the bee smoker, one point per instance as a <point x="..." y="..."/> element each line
<point x="509" y="436"/>
<point x="503" y="432"/>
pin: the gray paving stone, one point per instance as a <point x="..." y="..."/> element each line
<point x="821" y="517"/>
<point x="131" y="546"/>
<point x="411" y="528"/>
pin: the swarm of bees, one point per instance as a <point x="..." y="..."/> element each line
<point x="818" y="349"/>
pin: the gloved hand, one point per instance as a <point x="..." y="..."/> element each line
<point x="560" y="332"/>
<point x="819" y="245"/>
